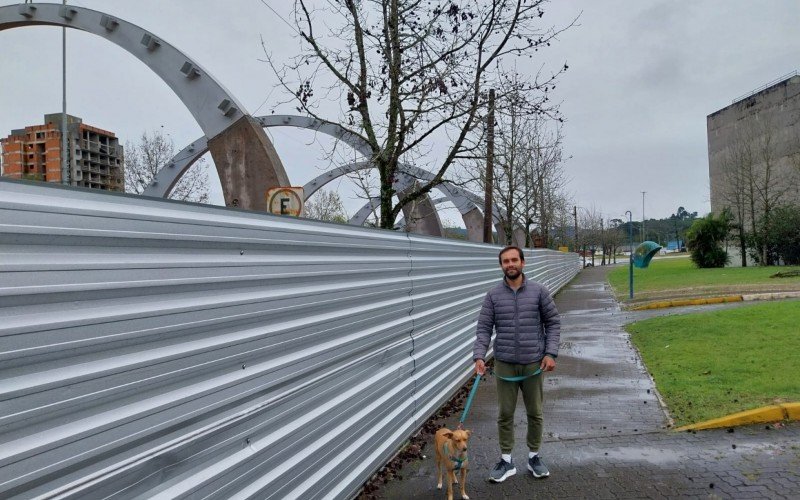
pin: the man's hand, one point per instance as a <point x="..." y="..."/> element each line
<point x="548" y="364"/>
<point x="480" y="367"/>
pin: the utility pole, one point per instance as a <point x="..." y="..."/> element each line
<point x="630" y="259"/>
<point x="487" y="207"/>
<point x="643" y="233"/>
<point x="64" y="139"/>
<point x="575" y="214"/>
<point x="602" y="241"/>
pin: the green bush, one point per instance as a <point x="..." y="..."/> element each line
<point x="784" y="234"/>
<point x="705" y="239"/>
<point x="780" y="236"/>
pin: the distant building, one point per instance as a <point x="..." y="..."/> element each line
<point x="34" y="153"/>
<point x="758" y="128"/>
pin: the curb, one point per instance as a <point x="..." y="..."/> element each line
<point x="771" y="296"/>
<point x="662" y="304"/>
<point x="766" y="414"/>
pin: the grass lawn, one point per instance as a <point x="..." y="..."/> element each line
<point x="712" y="364"/>
<point x="674" y="277"/>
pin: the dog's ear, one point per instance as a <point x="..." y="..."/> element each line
<point x="448" y="435"/>
<point x="469" y="433"/>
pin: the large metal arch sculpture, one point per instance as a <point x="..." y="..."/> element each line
<point x="451" y="193"/>
<point x="235" y="140"/>
<point x="169" y="175"/>
<point x="496" y="220"/>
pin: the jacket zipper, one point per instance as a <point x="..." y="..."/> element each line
<point x="516" y="327"/>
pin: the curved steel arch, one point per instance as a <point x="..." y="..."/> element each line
<point x="214" y="108"/>
<point x="169" y="175"/>
<point x="166" y="178"/>
<point x="466" y="202"/>
<point x="328" y="128"/>
<point x="236" y="141"/>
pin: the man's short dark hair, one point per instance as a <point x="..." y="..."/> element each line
<point x="511" y="247"/>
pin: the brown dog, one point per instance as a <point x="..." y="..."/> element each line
<point x="451" y="456"/>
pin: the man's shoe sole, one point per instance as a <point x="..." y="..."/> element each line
<point x="507" y="475"/>
<point x="537" y="475"/>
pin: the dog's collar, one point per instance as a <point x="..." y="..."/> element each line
<point x="458" y="461"/>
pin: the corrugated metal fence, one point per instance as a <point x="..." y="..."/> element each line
<point x="153" y="349"/>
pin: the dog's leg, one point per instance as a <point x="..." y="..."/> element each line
<point x="464" y="484"/>
<point x="438" y="473"/>
<point x="451" y="477"/>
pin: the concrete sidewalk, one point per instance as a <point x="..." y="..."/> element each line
<point x="606" y="435"/>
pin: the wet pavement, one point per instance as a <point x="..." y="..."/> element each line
<point x="606" y="435"/>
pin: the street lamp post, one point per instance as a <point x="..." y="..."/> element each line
<point x="643" y="231"/>
<point x="630" y="258"/>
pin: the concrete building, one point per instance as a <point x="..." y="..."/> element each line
<point x="756" y="138"/>
<point x="95" y="156"/>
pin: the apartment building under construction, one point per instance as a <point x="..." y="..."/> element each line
<point x="34" y="153"/>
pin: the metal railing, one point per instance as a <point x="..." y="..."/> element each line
<point x="765" y="87"/>
<point x="159" y="349"/>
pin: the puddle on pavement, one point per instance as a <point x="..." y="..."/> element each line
<point x="655" y="456"/>
<point x="576" y="312"/>
<point x="598" y="286"/>
<point x="649" y="455"/>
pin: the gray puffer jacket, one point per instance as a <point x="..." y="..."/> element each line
<point x="526" y="322"/>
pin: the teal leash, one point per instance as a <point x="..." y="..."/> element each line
<point x="474" y="390"/>
<point x="518" y="378"/>
<point x="469" y="401"/>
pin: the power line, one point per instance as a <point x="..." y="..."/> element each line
<point x="280" y="16"/>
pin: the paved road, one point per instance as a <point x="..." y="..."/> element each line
<point x="606" y="435"/>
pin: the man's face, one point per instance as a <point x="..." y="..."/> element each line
<point x="511" y="264"/>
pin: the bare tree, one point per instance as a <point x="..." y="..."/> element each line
<point x="590" y="230"/>
<point x="148" y="155"/>
<point x="544" y="180"/>
<point x="326" y="205"/>
<point x="615" y="237"/>
<point x="529" y="181"/>
<point x="759" y="176"/>
<point x="738" y="192"/>
<point x="408" y="74"/>
<point x="770" y="188"/>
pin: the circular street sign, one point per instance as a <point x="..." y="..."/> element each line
<point x="285" y="200"/>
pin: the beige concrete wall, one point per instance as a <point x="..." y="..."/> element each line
<point x="774" y="114"/>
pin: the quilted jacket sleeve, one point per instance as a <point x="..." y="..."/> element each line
<point x="552" y="324"/>
<point x="483" y="334"/>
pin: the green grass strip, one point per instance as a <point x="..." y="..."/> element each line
<point x="712" y="364"/>
<point x="678" y="275"/>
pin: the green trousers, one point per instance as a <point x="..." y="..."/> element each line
<point x="532" y="395"/>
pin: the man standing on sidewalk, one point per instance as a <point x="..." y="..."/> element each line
<point x="526" y="321"/>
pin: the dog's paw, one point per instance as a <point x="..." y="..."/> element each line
<point x="439" y="486"/>
<point x="465" y="497"/>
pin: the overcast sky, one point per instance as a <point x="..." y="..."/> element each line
<point x="643" y="76"/>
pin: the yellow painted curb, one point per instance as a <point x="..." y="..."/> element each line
<point x="793" y="410"/>
<point x="687" y="302"/>
<point x="774" y="413"/>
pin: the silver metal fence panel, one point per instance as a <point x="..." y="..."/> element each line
<point x="156" y="349"/>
